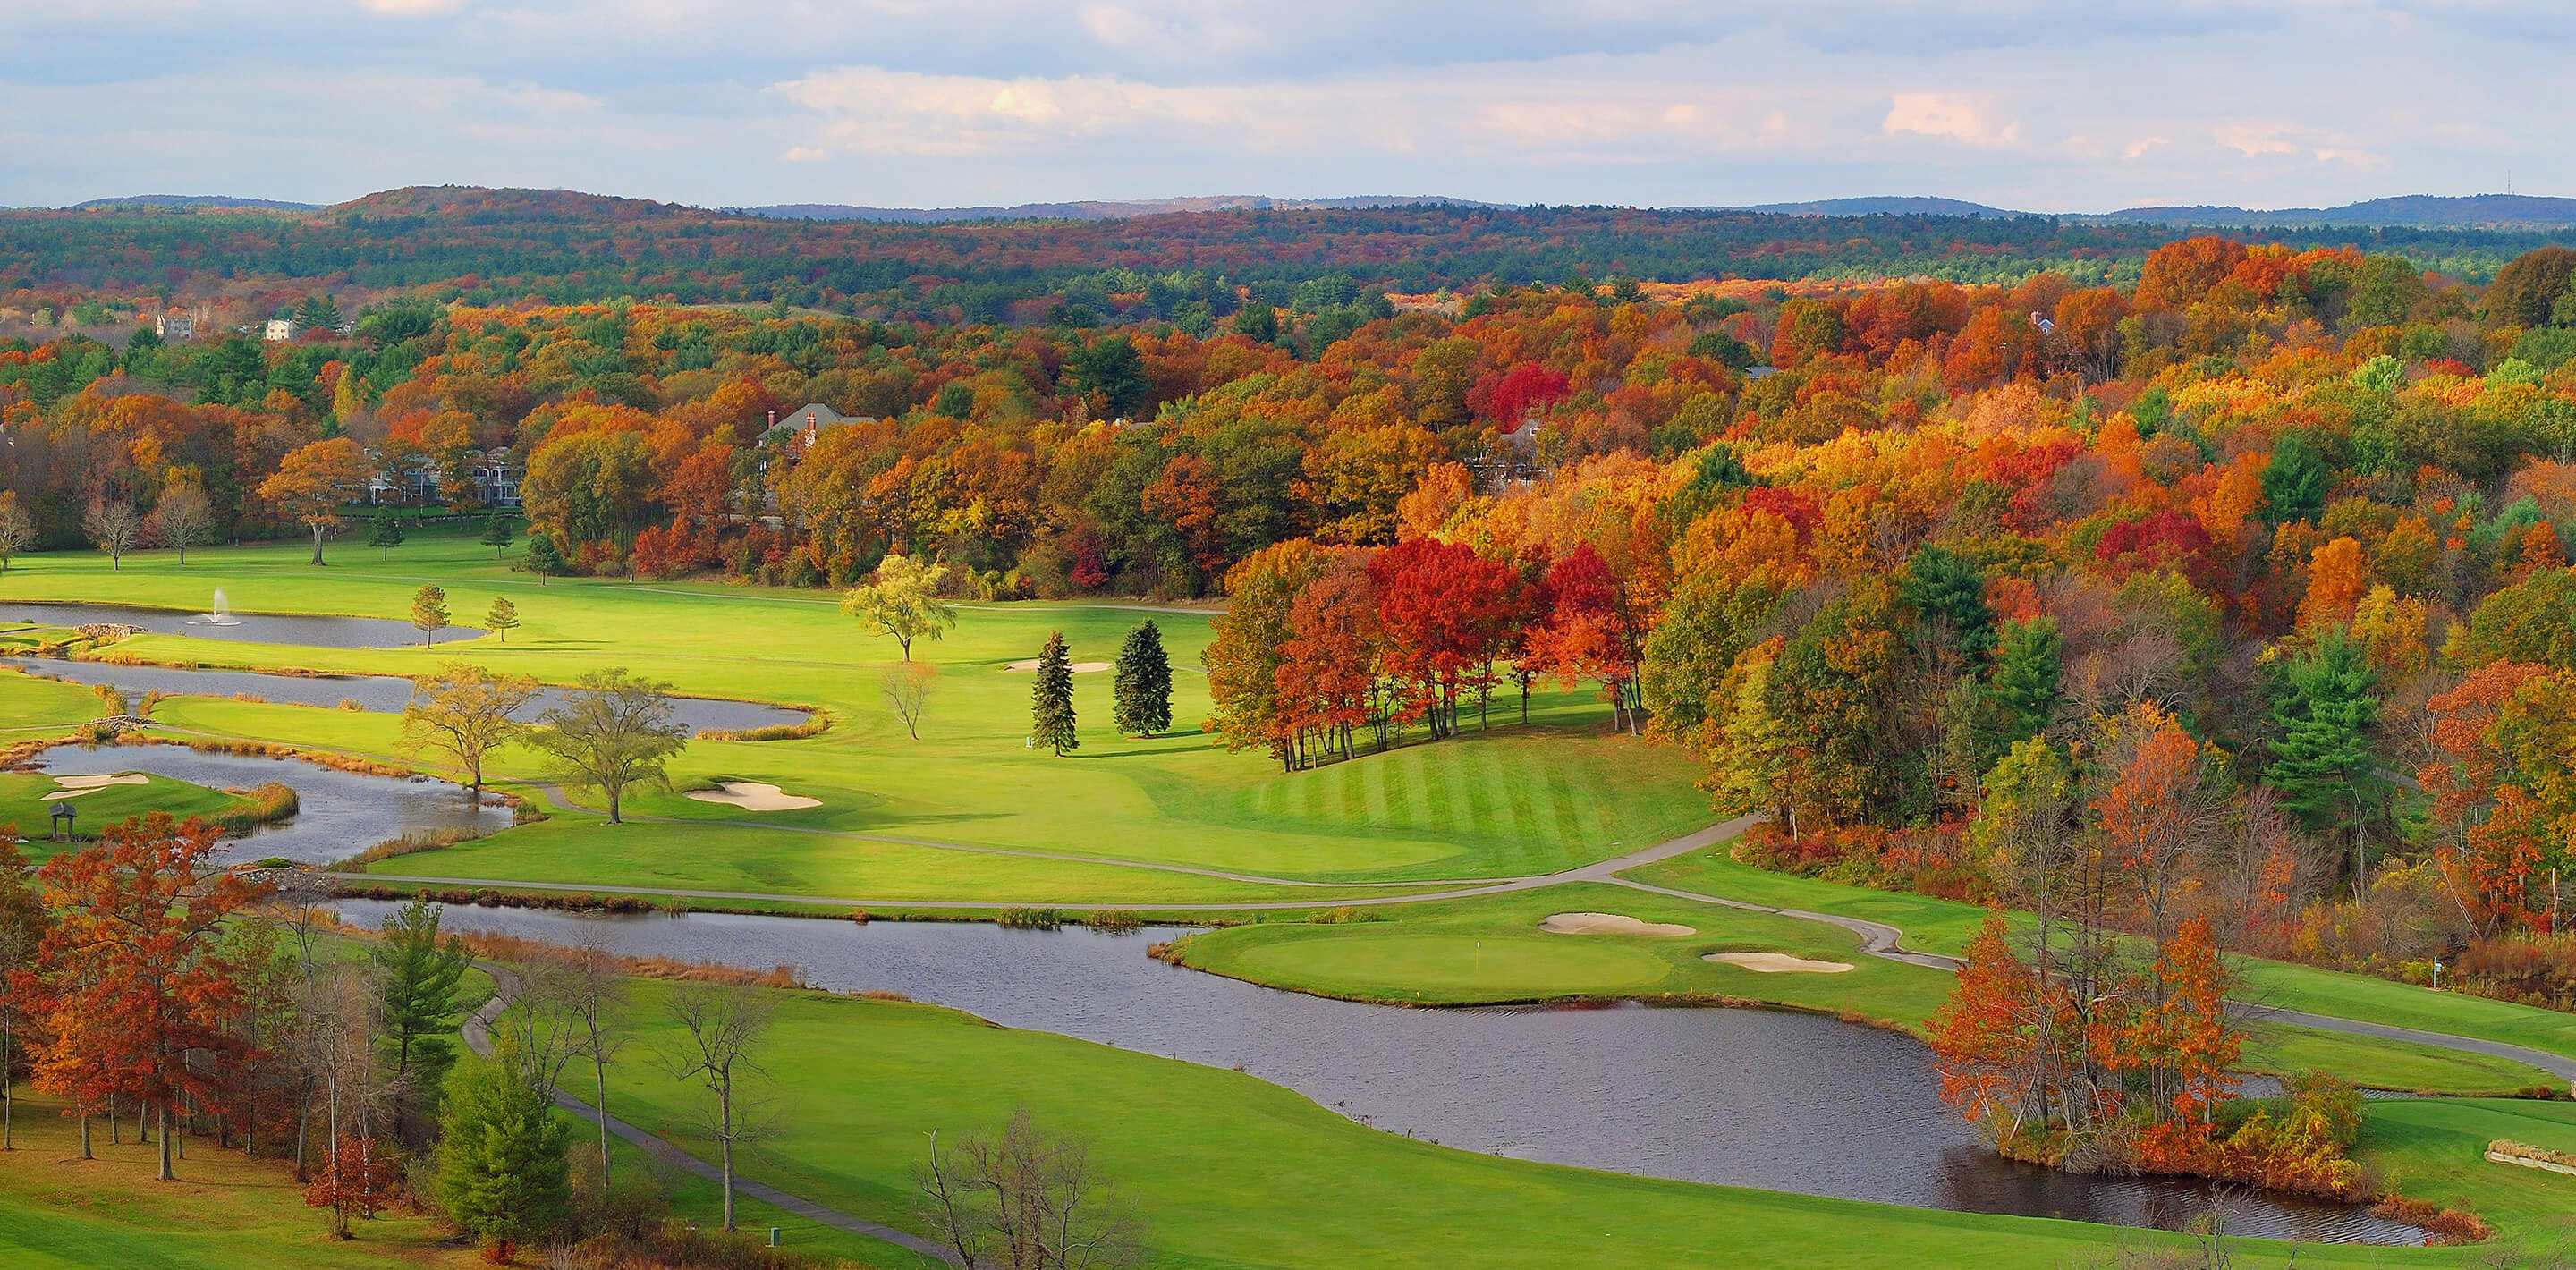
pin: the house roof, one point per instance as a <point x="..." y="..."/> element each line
<point x="816" y="412"/>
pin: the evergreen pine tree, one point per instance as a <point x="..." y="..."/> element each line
<point x="2029" y="666"/>
<point x="502" y="1172"/>
<point x="421" y="974"/>
<point x="2325" y="708"/>
<point x="496" y="534"/>
<point x="543" y="557"/>
<point x="386" y="536"/>
<point x="1051" y="699"/>
<point x="1144" y="689"/>
<point x="502" y="618"/>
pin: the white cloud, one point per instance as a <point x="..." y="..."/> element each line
<point x="1949" y="115"/>
<point x="412" y="8"/>
<point x="2138" y="148"/>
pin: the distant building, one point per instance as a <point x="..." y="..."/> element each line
<point x="494" y="482"/>
<point x="175" y="328"/>
<point x="416" y="485"/>
<point x="283" y="330"/>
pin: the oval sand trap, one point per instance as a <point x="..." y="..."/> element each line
<point x="1778" y="963"/>
<point x="754" y="796"/>
<point x="75" y="786"/>
<point x="1610" y="924"/>
<point x="1079" y="668"/>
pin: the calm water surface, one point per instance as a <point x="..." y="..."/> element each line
<point x="312" y="632"/>
<point x="1762" y="1098"/>
<point x="383" y="694"/>
<point x="342" y="812"/>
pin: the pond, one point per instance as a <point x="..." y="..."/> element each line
<point x="256" y="628"/>
<point x="384" y="694"/>
<point x="1760" y="1098"/>
<point x="341" y="812"/>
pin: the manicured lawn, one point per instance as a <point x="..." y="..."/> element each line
<point x="1561" y="792"/>
<point x="1490" y="949"/>
<point x="1944" y="926"/>
<point x="1230" y="1171"/>
<point x="58" y="1212"/>
<point x="34" y="709"/>
<point x="26" y="796"/>
<point x="2435" y="1149"/>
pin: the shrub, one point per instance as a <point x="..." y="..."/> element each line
<point x="266" y="805"/>
<point x="815" y="724"/>
<point x="1019" y="918"/>
<point x="1115" y="921"/>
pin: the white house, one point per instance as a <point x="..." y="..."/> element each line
<point x="283" y="330"/>
<point x="175" y="328"/>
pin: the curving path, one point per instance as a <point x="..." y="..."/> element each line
<point x="478" y="1036"/>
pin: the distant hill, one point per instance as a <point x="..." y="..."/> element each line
<point x="1882" y="205"/>
<point x="191" y="200"/>
<point x="1122" y="210"/>
<point x="2422" y="211"/>
<point x="475" y="202"/>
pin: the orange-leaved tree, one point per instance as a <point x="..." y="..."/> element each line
<point x="313" y="483"/>
<point x="2183" y="1045"/>
<point x="135" y="976"/>
<point x="1985" y="1038"/>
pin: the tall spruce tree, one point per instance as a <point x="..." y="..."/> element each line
<point x="1051" y="699"/>
<point x="2029" y="670"/>
<point x="2325" y="707"/>
<point x="1144" y="687"/>
<point x="502" y="1173"/>
<point x="421" y="975"/>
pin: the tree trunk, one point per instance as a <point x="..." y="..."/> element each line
<point x="317" y="544"/>
<point x="724" y="1112"/>
<point x="304" y="1133"/>
<point x="166" y="1174"/>
<point x="600" y="1070"/>
<point x="86" y="1154"/>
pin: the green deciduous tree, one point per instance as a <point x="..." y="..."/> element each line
<point x="385" y="534"/>
<point x="903" y="603"/>
<point x="1051" y="722"/>
<point x="1143" y="690"/>
<point x="462" y="713"/>
<point x="496" y="534"/>
<point x="613" y="731"/>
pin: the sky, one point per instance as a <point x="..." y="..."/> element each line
<point x="2069" y="106"/>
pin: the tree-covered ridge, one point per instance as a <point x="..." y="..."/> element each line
<point x="498" y="246"/>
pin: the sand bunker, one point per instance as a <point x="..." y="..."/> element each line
<point x="1609" y="924"/>
<point x="1778" y="963"/>
<point x="753" y="796"/>
<point x="1079" y="668"/>
<point x="75" y="786"/>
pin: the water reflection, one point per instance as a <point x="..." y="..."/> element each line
<point x="1770" y="1099"/>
